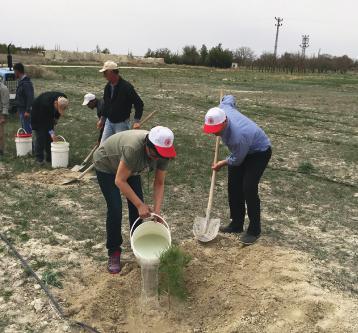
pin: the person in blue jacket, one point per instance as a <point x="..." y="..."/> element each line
<point x="250" y="152"/>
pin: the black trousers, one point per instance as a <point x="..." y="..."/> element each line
<point x="114" y="207"/>
<point x="42" y="144"/>
<point x="243" y="181"/>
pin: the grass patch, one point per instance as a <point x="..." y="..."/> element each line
<point x="52" y="278"/>
<point x="306" y="168"/>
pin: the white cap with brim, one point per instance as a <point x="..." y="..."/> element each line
<point x="214" y="120"/>
<point x="163" y="140"/>
<point x="88" y="97"/>
<point x="109" y="66"/>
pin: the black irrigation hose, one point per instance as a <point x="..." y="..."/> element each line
<point x="58" y="308"/>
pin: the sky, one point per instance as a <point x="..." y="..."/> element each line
<point x="135" y="25"/>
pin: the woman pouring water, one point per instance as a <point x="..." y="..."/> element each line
<point x="118" y="163"/>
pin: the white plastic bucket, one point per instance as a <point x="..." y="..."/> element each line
<point x="59" y="153"/>
<point x="149" y="240"/>
<point x="23" y="143"/>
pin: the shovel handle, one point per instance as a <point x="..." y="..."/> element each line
<point x="213" y="178"/>
<point x="86" y="171"/>
<point x="90" y="154"/>
<point x="150" y="115"/>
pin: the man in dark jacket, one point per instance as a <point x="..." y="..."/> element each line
<point x="119" y="97"/>
<point x="24" y="96"/>
<point x="46" y="110"/>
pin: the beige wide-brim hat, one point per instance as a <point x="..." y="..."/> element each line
<point x="108" y="65"/>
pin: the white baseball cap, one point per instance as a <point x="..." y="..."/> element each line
<point x="88" y="97"/>
<point x="109" y="66"/>
<point x="163" y="140"/>
<point x="214" y="120"/>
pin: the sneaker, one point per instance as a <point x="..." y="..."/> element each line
<point x="40" y="162"/>
<point x="231" y="229"/>
<point x="248" y="239"/>
<point x="114" y="262"/>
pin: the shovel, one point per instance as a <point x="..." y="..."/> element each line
<point x="206" y="229"/>
<point x="80" y="167"/>
<point x="78" y="178"/>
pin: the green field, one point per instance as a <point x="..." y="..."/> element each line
<point x="309" y="192"/>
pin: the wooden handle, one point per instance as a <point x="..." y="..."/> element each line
<point x="86" y="171"/>
<point x="90" y="154"/>
<point x="150" y="115"/>
<point x="213" y="178"/>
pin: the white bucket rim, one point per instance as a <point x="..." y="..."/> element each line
<point x="163" y="223"/>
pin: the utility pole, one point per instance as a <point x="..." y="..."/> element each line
<point x="305" y="44"/>
<point x="278" y="25"/>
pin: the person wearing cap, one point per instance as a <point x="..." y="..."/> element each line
<point x="47" y="108"/>
<point x="24" y="96"/>
<point x="91" y="101"/>
<point x="4" y="112"/>
<point x="250" y="153"/>
<point x="119" y="97"/>
<point x="118" y="163"/>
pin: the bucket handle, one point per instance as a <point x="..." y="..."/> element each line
<point x="60" y="136"/>
<point x="151" y="215"/>
<point x="20" y="129"/>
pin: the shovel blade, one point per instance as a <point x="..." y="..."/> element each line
<point x="70" y="181"/>
<point x="205" y="230"/>
<point x="77" y="168"/>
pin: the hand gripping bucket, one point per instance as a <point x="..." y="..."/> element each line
<point x="23" y="142"/>
<point x="149" y="240"/>
<point x="59" y="153"/>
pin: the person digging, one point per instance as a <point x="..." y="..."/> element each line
<point x="92" y="102"/>
<point x="250" y="150"/>
<point x="47" y="108"/>
<point x="118" y="163"/>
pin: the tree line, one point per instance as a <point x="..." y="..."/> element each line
<point x="36" y="49"/>
<point x="219" y="57"/>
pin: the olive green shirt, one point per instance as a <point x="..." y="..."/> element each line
<point x="129" y="147"/>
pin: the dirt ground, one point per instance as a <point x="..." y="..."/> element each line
<point x="261" y="288"/>
<point x="300" y="277"/>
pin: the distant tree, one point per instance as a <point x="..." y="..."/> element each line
<point x="149" y="54"/>
<point x="244" y="56"/>
<point x="204" y="55"/>
<point x="266" y="61"/>
<point x="190" y="55"/>
<point x="218" y="57"/>
<point x="106" y="51"/>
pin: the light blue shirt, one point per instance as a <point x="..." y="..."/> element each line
<point x="241" y="135"/>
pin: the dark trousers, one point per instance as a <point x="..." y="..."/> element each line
<point x="114" y="207"/>
<point x="42" y="144"/>
<point x="243" y="181"/>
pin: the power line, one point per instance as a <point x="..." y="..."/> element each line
<point x="278" y="25"/>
